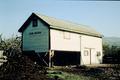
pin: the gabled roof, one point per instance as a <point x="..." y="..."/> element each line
<point x="63" y="25"/>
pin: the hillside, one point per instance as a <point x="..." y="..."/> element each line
<point x="115" y="41"/>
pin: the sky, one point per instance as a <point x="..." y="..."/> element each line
<point x="104" y="16"/>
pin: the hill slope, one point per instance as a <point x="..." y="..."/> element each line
<point x="115" y="41"/>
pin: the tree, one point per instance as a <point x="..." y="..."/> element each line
<point x="11" y="46"/>
<point x="18" y="66"/>
<point x="106" y="49"/>
<point x="111" y="54"/>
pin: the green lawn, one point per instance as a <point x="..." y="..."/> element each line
<point x="68" y="76"/>
<point x="85" y="73"/>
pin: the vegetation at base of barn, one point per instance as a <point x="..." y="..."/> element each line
<point x="18" y="69"/>
<point x="18" y="66"/>
<point x="111" y="54"/>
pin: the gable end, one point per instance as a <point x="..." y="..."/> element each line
<point x="27" y="22"/>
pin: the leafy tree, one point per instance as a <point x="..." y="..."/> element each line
<point x="18" y="66"/>
<point x="106" y="49"/>
<point x="111" y="54"/>
<point x="110" y="50"/>
<point x="11" y="46"/>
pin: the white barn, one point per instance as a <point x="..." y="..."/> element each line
<point x="59" y="42"/>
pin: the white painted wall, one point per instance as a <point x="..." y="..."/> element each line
<point x="36" y="42"/>
<point x="93" y="45"/>
<point x="77" y="42"/>
<point x="65" y="41"/>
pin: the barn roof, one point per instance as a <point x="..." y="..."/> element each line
<point x="64" y="25"/>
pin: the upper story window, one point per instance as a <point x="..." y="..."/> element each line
<point x="35" y="22"/>
<point x="66" y="35"/>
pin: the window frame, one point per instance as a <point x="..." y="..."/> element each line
<point x="35" y="22"/>
<point x="66" y="35"/>
<point x="86" y="53"/>
<point x="98" y="53"/>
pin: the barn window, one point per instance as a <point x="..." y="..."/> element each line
<point x="66" y="35"/>
<point x="86" y="53"/>
<point x="98" y="53"/>
<point x="34" y="22"/>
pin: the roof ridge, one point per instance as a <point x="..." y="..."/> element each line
<point x="67" y="25"/>
<point x="63" y="20"/>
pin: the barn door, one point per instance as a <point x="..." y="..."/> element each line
<point x="87" y="56"/>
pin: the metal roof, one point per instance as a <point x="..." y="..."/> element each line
<point x="68" y="26"/>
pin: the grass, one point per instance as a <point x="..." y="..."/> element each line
<point x="68" y="76"/>
<point x="85" y="73"/>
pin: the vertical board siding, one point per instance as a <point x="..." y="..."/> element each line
<point x="62" y="42"/>
<point x="36" y="38"/>
<point x="93" y="45"/>
<point x="78" y="42"/>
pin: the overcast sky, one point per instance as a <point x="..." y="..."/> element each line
<point x="104" y="16"/>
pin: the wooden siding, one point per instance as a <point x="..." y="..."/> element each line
<point x="64" y="41"/>
<point x="56" y="35"/>
<point x="36" y="38"/>
<point x="67" y="41"/>
<point x="93" y="45"/>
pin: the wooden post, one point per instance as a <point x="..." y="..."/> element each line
<point x="50" y="58"/>
<point x="51" y="54"/>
